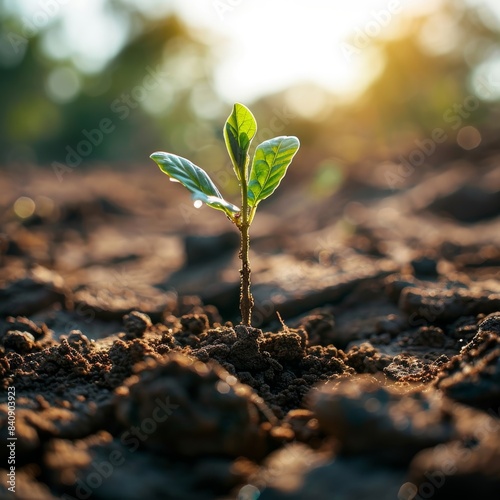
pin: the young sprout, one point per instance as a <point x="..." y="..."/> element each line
<point x="258" y="180"/>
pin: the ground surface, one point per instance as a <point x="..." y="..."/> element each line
<point x="119" y="332"/>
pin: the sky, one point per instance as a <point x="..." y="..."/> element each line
<point x="266" y="45"/>
<point x="272" y="44"/>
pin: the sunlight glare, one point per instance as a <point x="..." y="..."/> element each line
<point x="267" y="46"/>
<point x="307" y="45"/>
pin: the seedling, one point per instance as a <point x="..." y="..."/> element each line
<point x="258" y="180"/>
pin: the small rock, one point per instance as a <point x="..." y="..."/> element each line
<point x="20" y="342"/>
<point x="194" y="323"/>
<point x="77" y="338"/>
<point x="319" y="326"/>
<point x="136" y="323"/>
<point x="26" y="325"/>
<point x="430" y="336"/>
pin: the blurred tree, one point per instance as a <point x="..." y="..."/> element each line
<point x="157" y="92"/>
<point x="426" y="79"/>
<point x="145" y="96"/>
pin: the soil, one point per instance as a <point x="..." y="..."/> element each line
<point x="379" y="378"/>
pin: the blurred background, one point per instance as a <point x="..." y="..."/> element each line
<point x="405" y="84"/>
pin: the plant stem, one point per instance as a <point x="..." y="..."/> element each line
<point x="246" y="299"/>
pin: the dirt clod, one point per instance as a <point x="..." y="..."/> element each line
<point x="21" y="342"/>
<point x="194" y="409"/>
<point x="136" y="323"/>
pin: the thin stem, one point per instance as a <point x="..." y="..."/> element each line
<point x="246" y="299"/>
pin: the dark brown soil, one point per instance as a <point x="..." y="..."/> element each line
<point x="133" y="379"/>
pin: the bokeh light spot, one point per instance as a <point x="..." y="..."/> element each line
<point x="249" y="492"/>
<point x="372" y="405"/>
<point x="24" y="207"/>
<point x="223" y="387"/>
<point x="468" y="138"/>
<point x="63" y="85"/>
<point x="408" y="491"/>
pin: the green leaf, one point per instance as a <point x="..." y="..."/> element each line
<point x="195" y="179"/>
<point x="239" y="130"/>
<point x="269" y="166"/>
